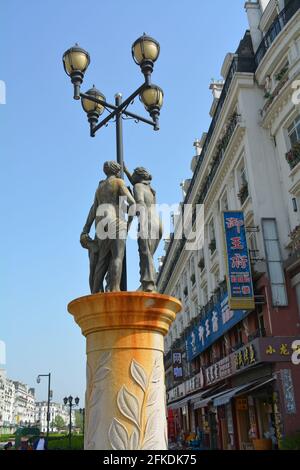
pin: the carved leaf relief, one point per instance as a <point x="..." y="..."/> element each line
<point x="118" y="435"/>
<point x="139" y="375"/>
<point x="129" y="406"/>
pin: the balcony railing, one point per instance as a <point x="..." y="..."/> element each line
<point x="222" y="146"/>
<point x="275" y="29"/>
<point x="293" y="156"/>
<point x="243" y="193"/>
<point x="239" y="64"/>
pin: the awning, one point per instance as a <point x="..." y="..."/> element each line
<point x="225" y="398"/>
<point x="206" y="400"/>
<point x="261" y="384"/>
<point x="205" y="393"/>
<point x="178" y="404"/>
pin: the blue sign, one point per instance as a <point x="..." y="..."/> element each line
<point x="239" y="279"/>
<point x="208" y="330"/>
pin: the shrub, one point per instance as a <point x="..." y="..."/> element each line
<point x="291" y="442"/>
<point x="63" y="444"/>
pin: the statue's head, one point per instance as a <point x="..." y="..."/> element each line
<point x="112" y="168"/>
<point x="141" y="174"/>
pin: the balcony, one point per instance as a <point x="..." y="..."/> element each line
<point x="293" y="156"/>
<point x="271" y="96"/>
<point x="294" y="246"/>
<point x="275" y="29"/>
<point x="220" y="152"/>
<point x="241" y="63"/>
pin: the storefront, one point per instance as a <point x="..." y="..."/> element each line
<point x="244" y="409"/>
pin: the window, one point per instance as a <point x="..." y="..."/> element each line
<point x="294" y="131"/>
<point x="260" y="320"/>
<point x="205" y="295"/>
<point x="242" y="183"/>
<point x="192" y="271"/>
<point x="238" y="335"/>
<point x="252" y="246"/>
<point x="216" y="279"/>
<point x="224" y="202"/>
<point x="274" y="262"/>
<point x="212" y="236"/>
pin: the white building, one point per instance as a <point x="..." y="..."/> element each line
<point x="24" y="406"/>
<point x="56" y="409"/>
<point x="7" y="401"/>
<point x="248" y="160"/>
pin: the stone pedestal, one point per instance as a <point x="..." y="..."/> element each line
<point x="125" y="391"/>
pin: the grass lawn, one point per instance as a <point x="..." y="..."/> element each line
<point x="63" y="443"/>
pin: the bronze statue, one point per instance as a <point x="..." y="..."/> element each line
<point x="106" y="251"/>
<point x="150" y="226"/>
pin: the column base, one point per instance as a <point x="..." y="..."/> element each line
<point x="125" y="395"/>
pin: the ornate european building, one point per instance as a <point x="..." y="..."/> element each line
<point x="231" y="377"/>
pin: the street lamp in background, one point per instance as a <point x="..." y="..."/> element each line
<point x="68" y="401"/>
<point x="145" y="51"/>
<point x="48" y="401"/>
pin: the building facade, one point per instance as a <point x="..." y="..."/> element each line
<point x="56" y="409"/>
<point x="19" y="408"/>
<point x="229" y="373"/>
<point x="7" y="401"/>
<point x="24" y="404"/>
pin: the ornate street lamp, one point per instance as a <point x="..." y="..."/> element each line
<point x="76" y="60"/>
<point x="92" y="108"/>
<point x="68" y="401"/>
<point x="145" y="51"/>
<point x="152" y="97"/>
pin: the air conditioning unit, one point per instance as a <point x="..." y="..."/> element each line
<point x="259" y="299"/>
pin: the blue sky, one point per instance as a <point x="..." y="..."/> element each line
<point x="50" y="167"/>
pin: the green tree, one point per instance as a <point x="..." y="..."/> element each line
<point x="79" y="420"/>
<point x="59" y="423"/>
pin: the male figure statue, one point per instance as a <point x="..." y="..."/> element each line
<point x="106" y="251"/>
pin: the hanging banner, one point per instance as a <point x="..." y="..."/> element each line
<point x="211" y="327"/>
<point x="177" y="365"/>
<point x="239" y="279"/>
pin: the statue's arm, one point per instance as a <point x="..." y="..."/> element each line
<point x="128" y="174"/>
<point x="124" y="191"/>
<point x="90" y="218"/>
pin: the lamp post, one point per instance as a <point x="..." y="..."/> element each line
<point x="48" y="400"/>
<point x="69" y="401"/>
<point x="145" y="51"/>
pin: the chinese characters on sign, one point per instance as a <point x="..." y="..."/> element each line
<point x="288" y="391"/>
<point x="218" y="371"/>
<point x="239" y="270"/>
<point x="218" y="320"/>
<point x="245" y="357"/>
<point x="177" y="365"/>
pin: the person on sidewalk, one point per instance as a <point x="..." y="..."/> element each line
<point x="40" y="443"/>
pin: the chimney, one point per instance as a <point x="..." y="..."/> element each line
<point x="216" y="87"/>
<point x="254" y="15"/>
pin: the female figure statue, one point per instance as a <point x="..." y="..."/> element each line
<point x="150" y="226"/>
